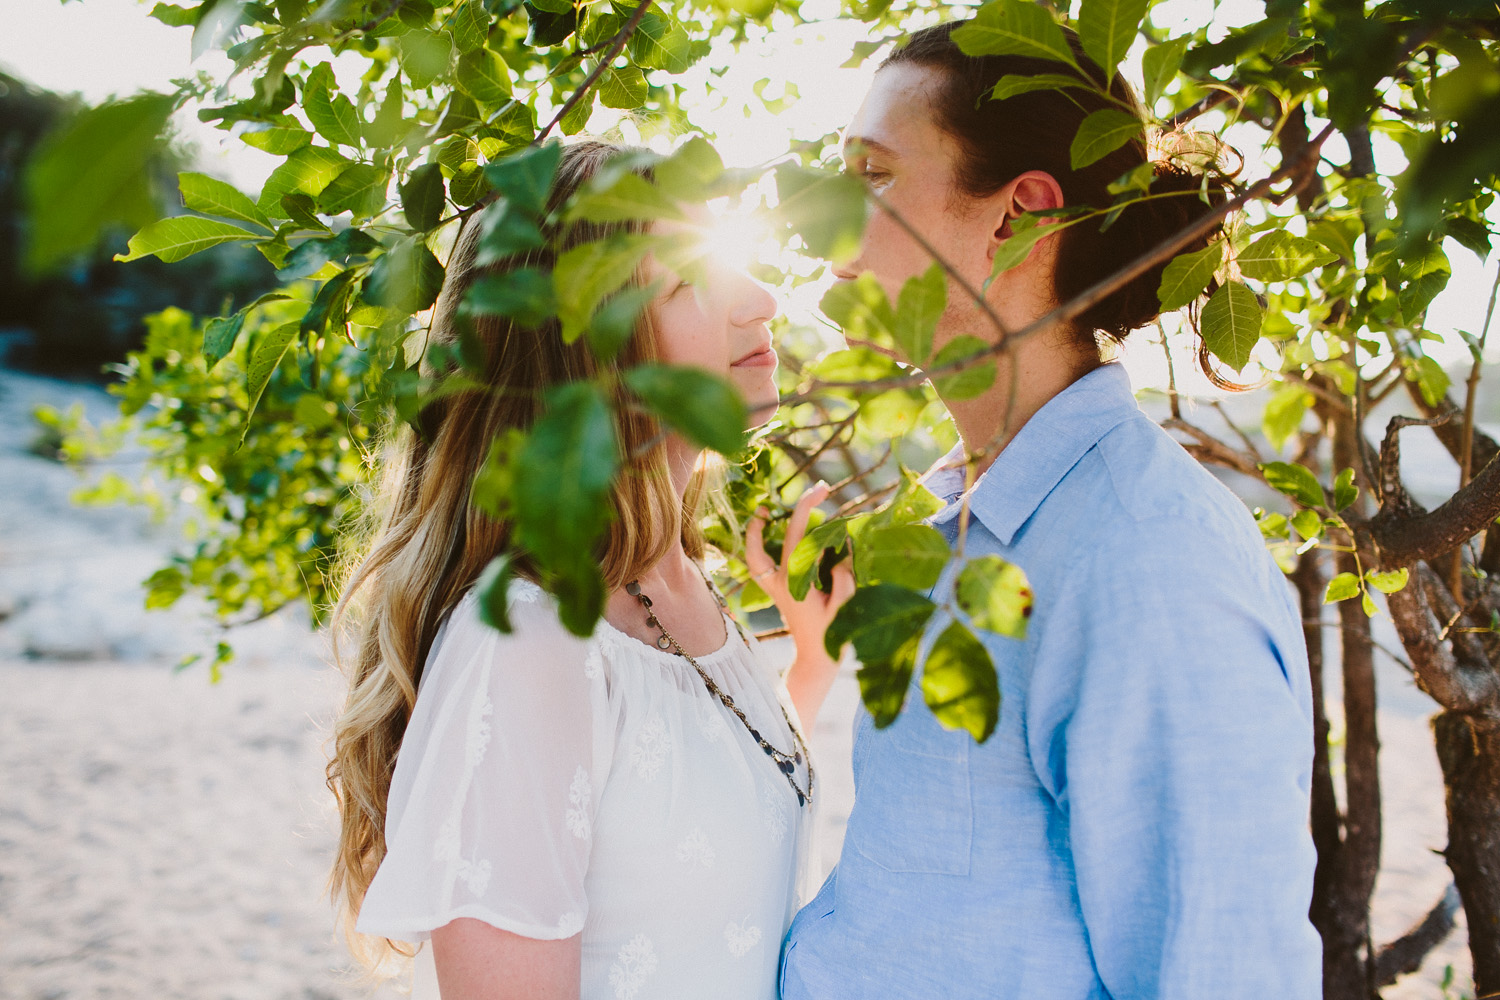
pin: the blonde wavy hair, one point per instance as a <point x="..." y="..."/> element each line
<point x="428" y="543"/>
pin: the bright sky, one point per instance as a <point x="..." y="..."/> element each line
<point x="103" y="48"/>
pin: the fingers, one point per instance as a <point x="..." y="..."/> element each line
<point x="796" y="527"/>
<point x="843" y="585"/>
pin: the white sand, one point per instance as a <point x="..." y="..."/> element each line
<point x="163" y="838"/>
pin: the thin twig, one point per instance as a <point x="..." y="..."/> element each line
<point x="1466" y="452"/>
<point x="807" y="462"/>
<point x="621" y="37"/>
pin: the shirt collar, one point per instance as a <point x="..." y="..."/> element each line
<point x="1046" y="447"/>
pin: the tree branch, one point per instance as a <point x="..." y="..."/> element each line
<point x="1457" y="686"/>
<point x="1403" y="540"/>
<point x="1405" y="954"/>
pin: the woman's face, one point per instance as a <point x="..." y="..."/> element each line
<point x="718" y="324"/>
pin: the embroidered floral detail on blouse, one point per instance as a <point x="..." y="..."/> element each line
<point x="448" y="847"/>
<point x="580" y="794"/>
<point x="524" y="590"/>
<point x="651" y="747"/>
<point x="633" y="965"/>
<point x="741" y="938"/>
<point x="773" y="807"/>
<point x="695" y="851"/>
<point x="569" y="923"/>
<point x="711" y="724"/>
<point x="593" y="663"/>
<point x="475" y="876"/>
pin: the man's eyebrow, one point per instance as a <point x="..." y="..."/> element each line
<point x="871" y="145"/>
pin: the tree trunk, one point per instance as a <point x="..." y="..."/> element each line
<point x="1468" y="748"/>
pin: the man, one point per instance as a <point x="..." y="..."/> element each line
<point x="1137" y="824"/>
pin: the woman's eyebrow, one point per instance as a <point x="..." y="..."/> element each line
<point x="854" y="144"/>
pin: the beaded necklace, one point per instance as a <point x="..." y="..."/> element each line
<point x="786" y="763"/>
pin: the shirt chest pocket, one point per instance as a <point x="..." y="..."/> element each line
<point x="914" y="809"/>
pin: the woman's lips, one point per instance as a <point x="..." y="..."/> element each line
<point x="765" y="357"/>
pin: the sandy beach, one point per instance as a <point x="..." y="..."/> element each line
<point x="162" y="837"/>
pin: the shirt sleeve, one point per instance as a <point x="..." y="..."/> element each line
<point x="491" y="808"/>
<point x="1177" y="740"/>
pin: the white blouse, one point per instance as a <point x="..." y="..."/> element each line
<point x="549" y="785"/>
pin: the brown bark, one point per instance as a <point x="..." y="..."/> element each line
<point x="1406" y="953"/>
<point x="1468" y="747"/>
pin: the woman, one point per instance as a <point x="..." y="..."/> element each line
<point x="613" y="817"/>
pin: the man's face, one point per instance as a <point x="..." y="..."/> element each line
<point x="909" y="163"/>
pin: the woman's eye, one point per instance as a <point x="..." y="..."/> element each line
<point x="874" y="176"/>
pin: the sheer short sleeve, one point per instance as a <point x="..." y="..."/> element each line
<point x="491" y="807"/>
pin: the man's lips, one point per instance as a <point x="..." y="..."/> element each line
<point x="761" y="357"/>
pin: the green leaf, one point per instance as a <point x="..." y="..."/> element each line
<point x="359" y="189"/>
<point x="524" y="178"/>
<point x="692" y="171"/>
<point x="631" y="196"/>
<point x="182" y="236"/>
<point x="826" y="209"/>
<point x="1025" y="232"/>
<point x="496" y="478"/>
<point x="331" y="113"/>
<point x="579" y="588"/>
<point x="211" y="196"/>
<point x="1367" y="604"/>
<point x="1341" y="588"/>
<point x="406" y="278"/>
<point x="563" y="474"/>
<point x="614" y="322"/>
<point x="177" y="17"/>
<point x="425" y="56"/>
<point x="661" y="43"/>
<point x="918" y="309"/>
<point x="1344" y="490"/>
<point x="702" y="407"/>
<point x="996" y="596"/>
<point x="912" y="503"/>
<point x="623" y="87"/>
<point x="525" y="295"/>
<point x="1159" y="66"/>
<point x="422" y="197"/>
<point x="263" y="361"/>
<point x="911" y="555"/>
<point x="219" y="335"/>
<point x="861" y="309"/>
<point x="806" y="558"/>
<point x="1101" y="133"/>
<point x="1388" y="582"/>
<point x="302" y="210"/>
<point x="1284" y="412"/>
<point x="281" y="135"/>
<point x="1016" y="84"/>
<point x="1431" y="380"/>
<point x="505" y="230"/>
<point x="1013" y="27"/>
<point x="331" y="305"/>
<point x="311" y="255"/>
<point x="1296" y="481"/>
<point x="89" y="174"/>
<point x="1308" y="523"/>
<point x="1231" y="324"/>
<point x="1278" y="256"/>
<point x="470" y="25"/>
<point x="389" y="123"/>
<point x="484" y="76"/>
<point x="885" y="623"/>
<point x="585" y="274"/>
<point x="1423" y="275"/>
<point x="493" y="588"/>
<point x="577" y="117"/>
<point x="1107" y="27"/>
<point x="966" y="383"/>
<point x="959" y="683"/>
<point x="1187" y="275"/>
<point x="306" y="171"/>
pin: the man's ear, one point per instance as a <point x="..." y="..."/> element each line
<point x="1033" y="191"/>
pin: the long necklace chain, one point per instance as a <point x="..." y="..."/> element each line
<point x="786" y="763"/>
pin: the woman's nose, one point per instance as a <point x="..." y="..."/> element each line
<point x="755" y="303"/>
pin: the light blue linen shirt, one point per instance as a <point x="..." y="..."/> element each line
<point x="1137" y="826"/>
